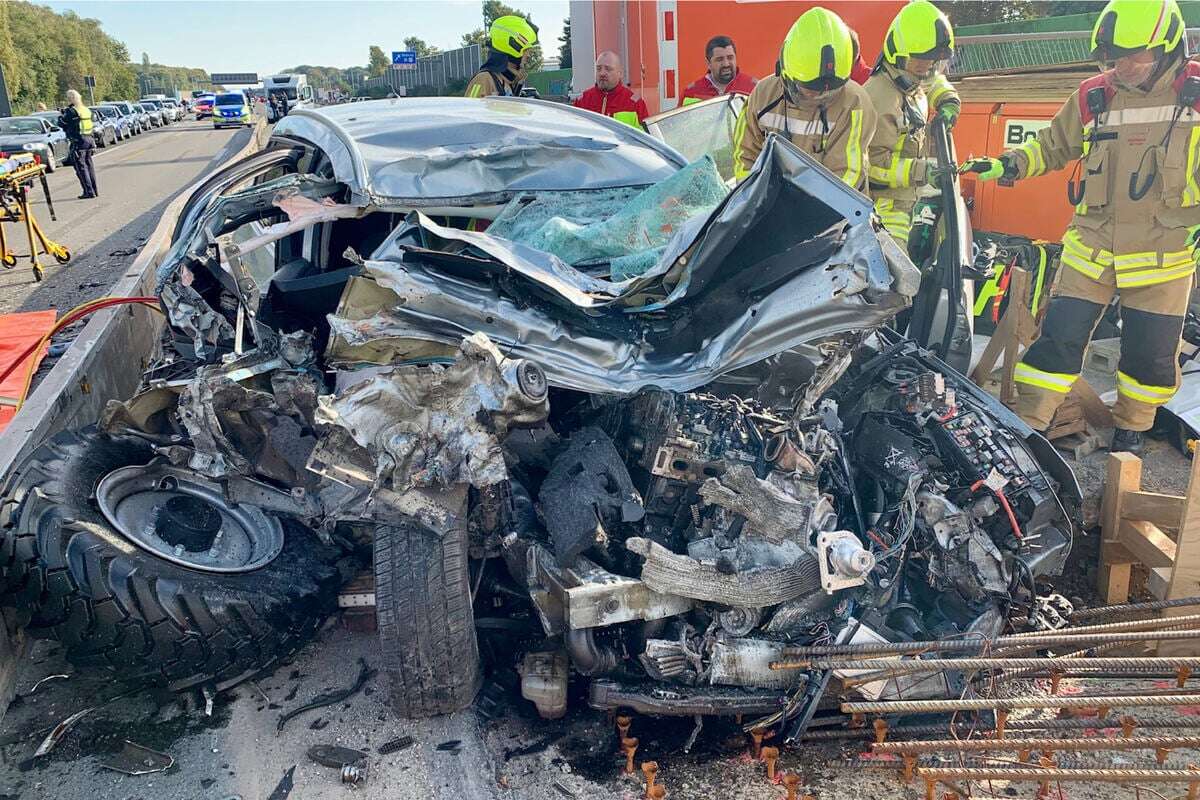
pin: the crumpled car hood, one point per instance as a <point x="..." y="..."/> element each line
<point x="790" y="257"/>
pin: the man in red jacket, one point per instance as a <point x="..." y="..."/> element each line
<point x="723" y="76"/>
<point x="610" y="96"/>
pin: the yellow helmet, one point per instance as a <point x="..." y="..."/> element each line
<point x="818" y="53"/>
<point x="920" y="30"/>
<point x="513" y="35"/>
<point x="1126" y="27"/>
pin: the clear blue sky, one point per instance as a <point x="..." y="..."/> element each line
<point x="266" y="36"/>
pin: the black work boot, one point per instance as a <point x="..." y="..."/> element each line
<point x="1126" y="441"/>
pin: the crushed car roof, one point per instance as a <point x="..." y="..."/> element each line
<point x="427" y="149"/>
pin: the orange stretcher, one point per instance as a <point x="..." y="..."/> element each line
<point x="15" y="208"/>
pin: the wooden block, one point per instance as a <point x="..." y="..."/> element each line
<point x="1094" y="410"/>
<point x="1114" y="583"/>
<point x="1124" y="474"/>
<point x="1148" y="544"/>
<point x="1158" y="582"/>
<point x="1185" y="577"/>
<point x="1164" y="510"/>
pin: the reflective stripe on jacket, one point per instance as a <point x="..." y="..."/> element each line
<point x="485" y="84"/>
<point x="703" y="87"/>
<point x="1144" y="240"/>
<point x="835" y="131"/>
<point x="899" y="150"/>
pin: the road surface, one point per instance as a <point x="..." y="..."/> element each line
<point x="137" y="178"/>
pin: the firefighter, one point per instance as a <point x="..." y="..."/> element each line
<point x="1134" y="134"/>
<point x="809" y="101"/>
<point x="906" y="86"/>
<point x="510" y="38"/>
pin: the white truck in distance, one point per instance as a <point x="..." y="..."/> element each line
<point x="291" y="89"/>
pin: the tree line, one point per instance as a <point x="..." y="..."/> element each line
<point x="44" y="54"/>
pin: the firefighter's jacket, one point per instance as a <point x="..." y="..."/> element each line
<point x="496" y="76"/>
<point x="835" y="130"/>
<point x="1144" y="240"/>
<point x="899" y="150"/>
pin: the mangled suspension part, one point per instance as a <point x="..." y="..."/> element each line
<point x="670" y="573"/>
<point x="430" y="427"/>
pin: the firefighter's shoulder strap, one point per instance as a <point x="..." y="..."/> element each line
<point x="761" y="112"/>
<point x="1089" y="94"/>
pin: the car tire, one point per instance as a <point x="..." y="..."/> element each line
<point x="70" y="576"/>
<point x="425" y="619"/>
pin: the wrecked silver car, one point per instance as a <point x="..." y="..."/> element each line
<point x="589" y="411"/>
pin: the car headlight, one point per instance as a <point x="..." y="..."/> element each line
<point x="30" y="146"/>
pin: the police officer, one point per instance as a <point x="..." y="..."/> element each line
<point x="809" y="101"/>
<point x="907" y="84"/>
<point x="77" y="122"/>
<point x="1134" y="134"/>
<point x="503" y="73"/>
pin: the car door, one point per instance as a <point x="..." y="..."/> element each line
<point x="57" y="139"/>
<point x="701" y="129"/>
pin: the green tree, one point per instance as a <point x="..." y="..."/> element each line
<point x="422" y="48"/>
<point x="377" y="62"/>
<point x="564" y="49"/>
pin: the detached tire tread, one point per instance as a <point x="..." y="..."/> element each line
<point x="70" y="576"/>
<point x="425" y="620"/>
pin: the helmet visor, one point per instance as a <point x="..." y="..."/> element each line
<point x="807" y="91"/>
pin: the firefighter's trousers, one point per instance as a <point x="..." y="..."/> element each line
<point x="1151" y="325"/>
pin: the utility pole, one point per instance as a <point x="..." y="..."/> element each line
<point x="5" y="105"/>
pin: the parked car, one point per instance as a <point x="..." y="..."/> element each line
<point x="128" y="110"/>
<point x="153" y="112"/>
<point x="177" y="108"/>
<point x="167" y="113"/>
<point x="104" y="126"/>
<point x="231" y="108"/>
<point x="126" y="123"/>
<point x="203" y="105"/>
<point x="37" y="135"/>
<point x="652" y="441"/>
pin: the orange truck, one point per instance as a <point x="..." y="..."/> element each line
<point x="1000" y="112"/>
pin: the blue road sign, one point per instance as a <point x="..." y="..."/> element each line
<point x="404" y="56"/>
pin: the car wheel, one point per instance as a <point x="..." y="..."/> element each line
<point x="425" y="619"/>
<point x="71" y="576"/>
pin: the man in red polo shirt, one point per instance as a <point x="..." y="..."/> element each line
<point x="723" y="76"/>
<point x="610" y="96"/>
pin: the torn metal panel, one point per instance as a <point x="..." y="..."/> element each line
<point x="747" y="662"/>
<point x="769" y="511"/>
<point x="440" y="425"/>
<point x="757" y="587"/>
<point x="690" y="319"/>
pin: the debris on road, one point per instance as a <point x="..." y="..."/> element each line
<point x="60" y="730"/>
<point x="354" y="773"/>
<point x="136" y="759"/>
<point x="365" y="673"/>
<point x="450" y="746"/>
<point x="284" y="787"/>
<point x="60" y="677"/>
<point x="334" y="756"/>
<point x="395" y="745"/>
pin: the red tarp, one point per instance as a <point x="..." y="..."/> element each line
<point x="19" y="332"/>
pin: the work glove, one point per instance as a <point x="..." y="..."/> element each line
<point x="922" y="234"/>
<point x="986" y="169"/>
<point x="949" y="112"/>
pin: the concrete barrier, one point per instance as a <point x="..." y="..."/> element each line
<point x="95" y="369"/>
